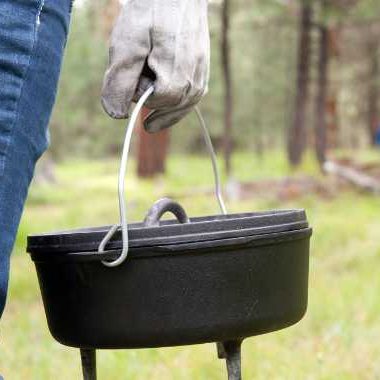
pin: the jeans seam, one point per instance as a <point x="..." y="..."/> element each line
<point x="21" y="90"/>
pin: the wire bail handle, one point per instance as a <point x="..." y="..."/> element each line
<point x="122" y="172"/>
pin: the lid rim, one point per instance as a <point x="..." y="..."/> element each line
<point x="200" y="229"/>
<point x="163" y="241"/>
<point x="178" y="249"/>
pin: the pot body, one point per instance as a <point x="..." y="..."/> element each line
<point x="224" y="291"/>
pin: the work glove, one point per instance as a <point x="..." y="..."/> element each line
<point x="161" y="42"/>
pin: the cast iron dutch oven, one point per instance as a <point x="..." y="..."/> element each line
<point x="209" y="279"/>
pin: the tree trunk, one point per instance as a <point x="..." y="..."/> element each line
<point x="373" y="91"/>
<point x="297" y="132"/>
<point x="321" y="98"/>
<point x="228" y="97"/>
<point x="332" y="122"/>
<point x="152" y="150"/>
<point x="332" y="126"/>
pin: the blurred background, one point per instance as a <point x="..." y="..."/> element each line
<point x="294" y="112"/>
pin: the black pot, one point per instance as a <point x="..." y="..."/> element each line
<point x="213" y="279"/>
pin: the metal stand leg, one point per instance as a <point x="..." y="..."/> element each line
<point x="231" y="351"/>
<point x="88" y="357"/>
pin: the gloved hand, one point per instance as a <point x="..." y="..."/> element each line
<point x="164" y="42"/>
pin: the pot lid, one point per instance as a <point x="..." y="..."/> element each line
<point x="170" y="232"/>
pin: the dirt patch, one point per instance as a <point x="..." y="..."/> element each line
<point x="289" y="188"/>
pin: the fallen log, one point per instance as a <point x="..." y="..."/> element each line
<point x="354" y="176"/>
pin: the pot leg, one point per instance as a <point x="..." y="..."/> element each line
<point x="88" y="357"/>
<point x="231" y="351"/>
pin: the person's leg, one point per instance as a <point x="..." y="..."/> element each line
<point x="32" y="38"/>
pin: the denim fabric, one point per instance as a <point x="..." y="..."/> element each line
<point x="32" y="39"/>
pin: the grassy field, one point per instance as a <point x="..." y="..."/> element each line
<point x="338" y="339"/>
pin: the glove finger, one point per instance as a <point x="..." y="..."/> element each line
<point x="130" y="46"/>
<point x="165" y="118"/>
<point x="119" y="86"/>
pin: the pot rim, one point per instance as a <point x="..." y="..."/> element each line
<point x="200" y="231"/>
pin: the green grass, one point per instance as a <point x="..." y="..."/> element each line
<point x="338" y="338"/>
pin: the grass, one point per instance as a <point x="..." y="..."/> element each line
<point x="337" y="339"/>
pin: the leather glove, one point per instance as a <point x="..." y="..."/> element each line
<point x="161" y="42"/>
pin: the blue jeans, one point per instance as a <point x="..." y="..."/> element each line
<point x="32" y="39"/>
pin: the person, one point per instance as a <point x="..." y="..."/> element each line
<point x="154" y="42"/>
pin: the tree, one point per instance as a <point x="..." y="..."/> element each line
<point x="322" y="90"/>
<point x="373" y="87"/>
<point x="297" y="132"/>
<point x="152" y="150"/>
<point x="228" y="95"/>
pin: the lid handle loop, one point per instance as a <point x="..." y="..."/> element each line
<point x="162" y="206"/>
